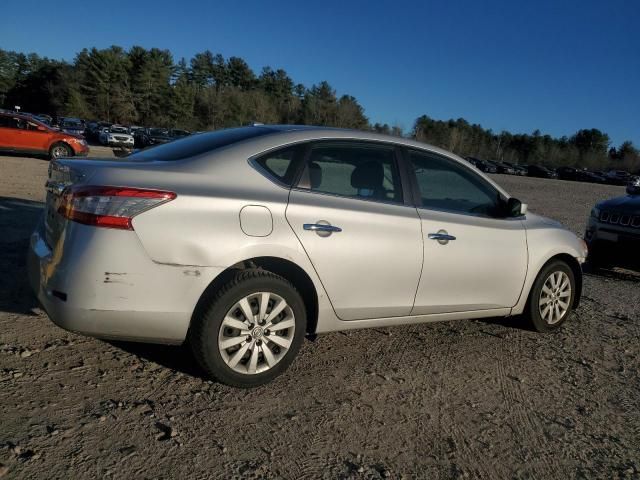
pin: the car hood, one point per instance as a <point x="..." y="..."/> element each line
<point x="71" y="134"/>
<point x="624" y="204"/>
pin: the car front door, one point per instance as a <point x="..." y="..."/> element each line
<point x="363" y="239"/>
<point x="474" y="257"/>
<point x="36" y="138"/>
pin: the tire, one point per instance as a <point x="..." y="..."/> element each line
<point x="558" y="297"/>
<point x="222" y="322"/>
<point x="60" y="150"/>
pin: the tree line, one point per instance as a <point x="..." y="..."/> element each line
<point x="147" y="87"/>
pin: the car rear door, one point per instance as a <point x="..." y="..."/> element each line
<point x="473" y="258"/>
<point x="5" y="132"/>
<point x="363" y="239"/>
<point x="12" y="130"/>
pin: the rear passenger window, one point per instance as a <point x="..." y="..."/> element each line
<point x="11" y="122"/>
<point x="281" y="165"/>
<point x="360" y="171"/>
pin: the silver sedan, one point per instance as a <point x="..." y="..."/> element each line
<point x="244" y="241"/>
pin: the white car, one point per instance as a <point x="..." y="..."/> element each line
<point x="116" y="136"/>
<point x="245" y="240"/>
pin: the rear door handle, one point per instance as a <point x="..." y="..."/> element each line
<point x="441" y="237"/>
<point x="321" y="227"/>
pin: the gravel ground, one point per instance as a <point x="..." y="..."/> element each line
<point x="475" y="399"/>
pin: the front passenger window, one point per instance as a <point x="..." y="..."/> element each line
<point x="446" y="185"/>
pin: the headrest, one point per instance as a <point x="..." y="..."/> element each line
<point x="368" y="175"/>
<point x="315" y="175"/>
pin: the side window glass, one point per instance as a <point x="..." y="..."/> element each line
<point x="280" y="164"/>
<point x="445" y="185"/>
<point x="11" y="122"/>
<point x="360" y="171"/>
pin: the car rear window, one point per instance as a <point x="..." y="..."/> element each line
<point x="197" y="144"/>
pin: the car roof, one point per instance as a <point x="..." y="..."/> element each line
<point x="311" y="132"/>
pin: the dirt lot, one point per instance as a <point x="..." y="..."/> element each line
<point x="476" y="399"/>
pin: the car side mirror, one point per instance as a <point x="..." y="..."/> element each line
<point x="515" y="208"/>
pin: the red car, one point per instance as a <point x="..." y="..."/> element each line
<point x="24" y="134"/>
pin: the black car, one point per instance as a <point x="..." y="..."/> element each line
<point x="74" y="126"/>
<point x="93" y="129"/>
<point x="147" y="137"/>
<point x="618" y="177"/>
<point x="568" y="173"/>
<point x="517" y="169"/>
<point x="591" y="177"/>
<point x="502" y="167"/>
<point x="613" y="230"/>
<point x="541" y="172"/>
<point x="482" y="165"/>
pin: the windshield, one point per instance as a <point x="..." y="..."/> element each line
<point x="119" y="130"/>
<point x="158" y="131"/>
<point x="71" y="123"/>
<point x="193" y="145"/>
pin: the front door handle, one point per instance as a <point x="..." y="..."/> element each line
<point x="321" y="227"/>
<point x="442" y="237"/>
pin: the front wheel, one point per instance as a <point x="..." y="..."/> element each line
<point x="251" y="331"/>
<point x="59" y="150"/>
<point x="552" y="296"/>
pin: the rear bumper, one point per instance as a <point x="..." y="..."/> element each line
<point x="101" y="283"/>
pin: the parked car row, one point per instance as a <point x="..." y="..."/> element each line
<point x="612" y="177"/>
<point x="131" y="136"/>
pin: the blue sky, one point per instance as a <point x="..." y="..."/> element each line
<point x="557" y="66"/>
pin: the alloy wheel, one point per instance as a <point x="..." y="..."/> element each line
<point x="555" y="297"/>
<point x="256" y="333"/>
<point x="59" y="151"/>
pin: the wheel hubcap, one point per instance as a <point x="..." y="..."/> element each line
<point x="555" y="297"/>
<point x="256" y="333"/>
<point x="58" y="152"/>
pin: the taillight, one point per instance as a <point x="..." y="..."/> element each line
<point x="109" y="207"/>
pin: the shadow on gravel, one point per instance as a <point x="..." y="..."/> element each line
<point x="177" y="358"/>
<point x="44" y="157"/>
<point x="516" y="322"/>
<point x="18" y="218"/>
<point x="615" y="274"/>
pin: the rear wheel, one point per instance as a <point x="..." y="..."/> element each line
<point x="552" y="296"/>
<point x="251" y="330"/>
<point x="59" y="150"/>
